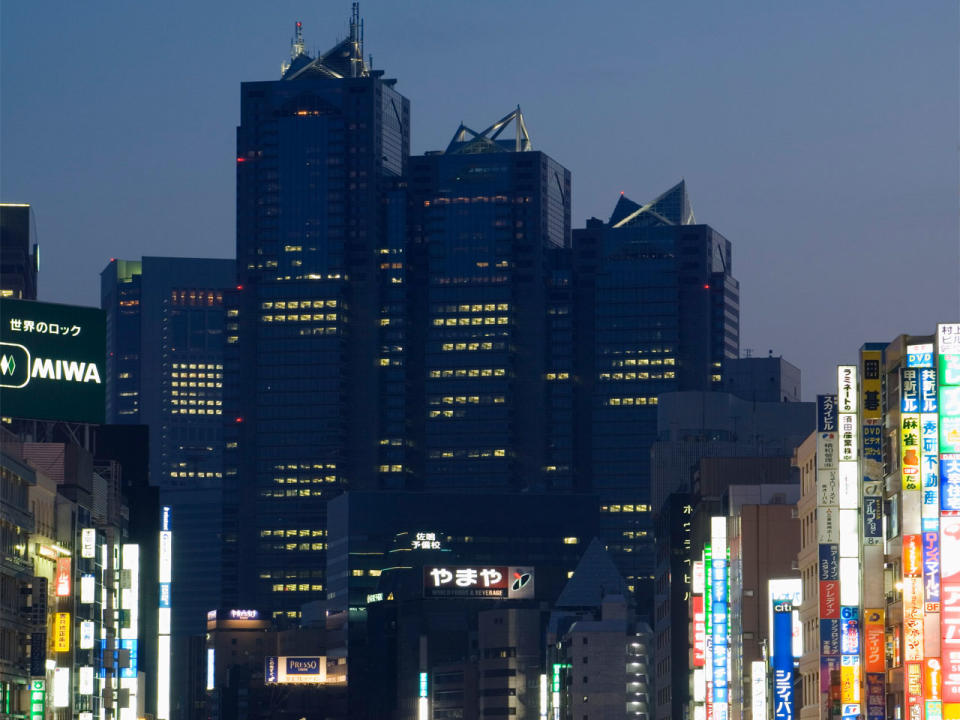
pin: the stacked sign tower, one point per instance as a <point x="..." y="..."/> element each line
<point x="862" y="591"/>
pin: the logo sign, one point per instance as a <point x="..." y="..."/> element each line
<point x="165" y="518"/>
<point x="86" y="634"/>
<point x="849" y="631"/>
<point x="88" y="543"/>
<point x="920" y="356"/>
<point x="873" y="443"/>
<point x="830" y="638"/>
<point x="847" y="388"/>
<point x="912" y="556"/>
<point x="826" y="413"/>
<point x="909" y="390"/>
<point x="699" y="632"/>
<point x="876" y="697"/>
<point x="873" y="640"/>
<point x="871" y="385"/>
<point x="38" y="699"/>
<point x="931" y="564"/>
<point x="478" y="582"/>
<point x="949" y="405"/>
<point x="910" y="450"/>
<point x="949" y="370"/>
<point x="829" y="561"/>
<point x="950" y="642"/>
<point x="63" y="577"/>
<point x="61" y="632"/>
<point x="830" y="599"/>
<point x="299" y="670"/>
<point x="52" y="361"/>
<point x="948" y="338"/>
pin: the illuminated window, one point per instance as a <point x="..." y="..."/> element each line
<point x="570" y="541"/>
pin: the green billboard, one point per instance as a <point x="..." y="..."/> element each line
<point x="52" y="361"/>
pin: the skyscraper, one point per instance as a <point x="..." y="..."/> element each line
<point x="165" y="358"/>
<point x="19" y="258"/>
<point x="320" y="230"/>
<point x="657" y="311"/>
<point x="487" y="219"/>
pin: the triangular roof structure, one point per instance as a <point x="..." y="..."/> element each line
<point x="343" y="60"/>
<point x="468" y="141"/>
<point x="671" y="208"/>
<point x="595" y="578"/>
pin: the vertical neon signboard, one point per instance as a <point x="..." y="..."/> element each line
<point x="719" y="602"/>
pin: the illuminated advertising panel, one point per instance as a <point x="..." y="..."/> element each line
<point x="61" y="687"/>
<point x="88" y="543"/>
<point x="920" y="356"/>
<point x="932" y="679"/>
<point x="873" y="640"/>
<point x="876" y="697"/>
<point x="52" y="361"/>
<point x="850" y="681"/>
<point x="478" y="582"/>
<point x="85" y="680"/>
<point x="698" y="578"/>
<point x="930" y="463"/>
<point x="86" y="634"/>
<point x="849" y="534"/>
<point x="910" y="450"/>
<point x="931" y="564"/>
<point x="212" y="669"/>
<point x="699" y="632"/>
<point x="912" y="556"/>
<point x="782" y="660"/>
<point x="871" y="386"/>
<point x="950" y="483"/>
<point x="849" y="494"/>
<point x="826" y="413"/>
<point x="847" y="388"/>
<point x="164" y="612"/>
<point x="950" y="419"/>
<point x="283" y="670"/>
<point x="848" y="436"/>
<point x="38" y="699"/>
<point x="758" y="688"/>
<point x="719" y="615"/>
<point x="87" y="589"/>
<point x="61" y="632"/>
<point x="830" y="599"/>
<point x="913" y="685"/>
<point x="63" y="577"/>
<point x="829" y="562"/>
<point x="849" y="631"/>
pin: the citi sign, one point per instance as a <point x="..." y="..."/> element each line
<point x="17" y="368"/>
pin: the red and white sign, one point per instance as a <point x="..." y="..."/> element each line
<point x="63" y="577"/>
<point x="830" y="599"/>
<point x="699" y="632"/>
<point x="912" y="556"/>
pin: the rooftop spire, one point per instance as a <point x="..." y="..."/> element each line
<point x="296" y="46"/>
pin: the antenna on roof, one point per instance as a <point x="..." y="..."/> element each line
<point x="297" y="48"/>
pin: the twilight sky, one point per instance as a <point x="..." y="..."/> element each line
<point x="820" y="137"/>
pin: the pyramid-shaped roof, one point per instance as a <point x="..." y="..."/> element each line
<point x="595" y="577"/>
<point x="670" y="208"/>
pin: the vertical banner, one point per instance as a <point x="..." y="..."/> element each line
<point x="782" y="660"/>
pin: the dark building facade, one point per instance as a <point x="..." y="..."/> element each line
<point x="657" y="311"/>
<point x="487" y="218"/>
<point x="19" y="254"/>
<point x="320" y="225"/>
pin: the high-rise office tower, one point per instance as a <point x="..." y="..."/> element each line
<point x="165" y="370"/>
<point x="316" y="332"/>
<point x="19" y="257"/>
<point x="657" y="311"/>
<point x="488" y="218"/>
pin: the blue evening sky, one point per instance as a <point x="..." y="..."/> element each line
<point x="820" y="137"/>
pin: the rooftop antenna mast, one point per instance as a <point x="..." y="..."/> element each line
<point x="297" y="49"/>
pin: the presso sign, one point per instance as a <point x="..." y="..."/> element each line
<point x="52" y="361"/>
<point x="295" y="670"/>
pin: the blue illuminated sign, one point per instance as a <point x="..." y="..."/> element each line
<point x="782" y="660"/>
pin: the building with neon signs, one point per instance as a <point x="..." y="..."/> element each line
<point x="880" y="555"/>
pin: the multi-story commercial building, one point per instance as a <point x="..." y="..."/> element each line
<point x="657" y="311"/>
<point x="320" y="228"/>
<point x="19" y="254"/>
<point x="882" y="526"/>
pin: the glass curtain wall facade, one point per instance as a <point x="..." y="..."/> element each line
<point x="319" y="155"/>
<point x="657" y="312"/>
<point x="486" y="222"/>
